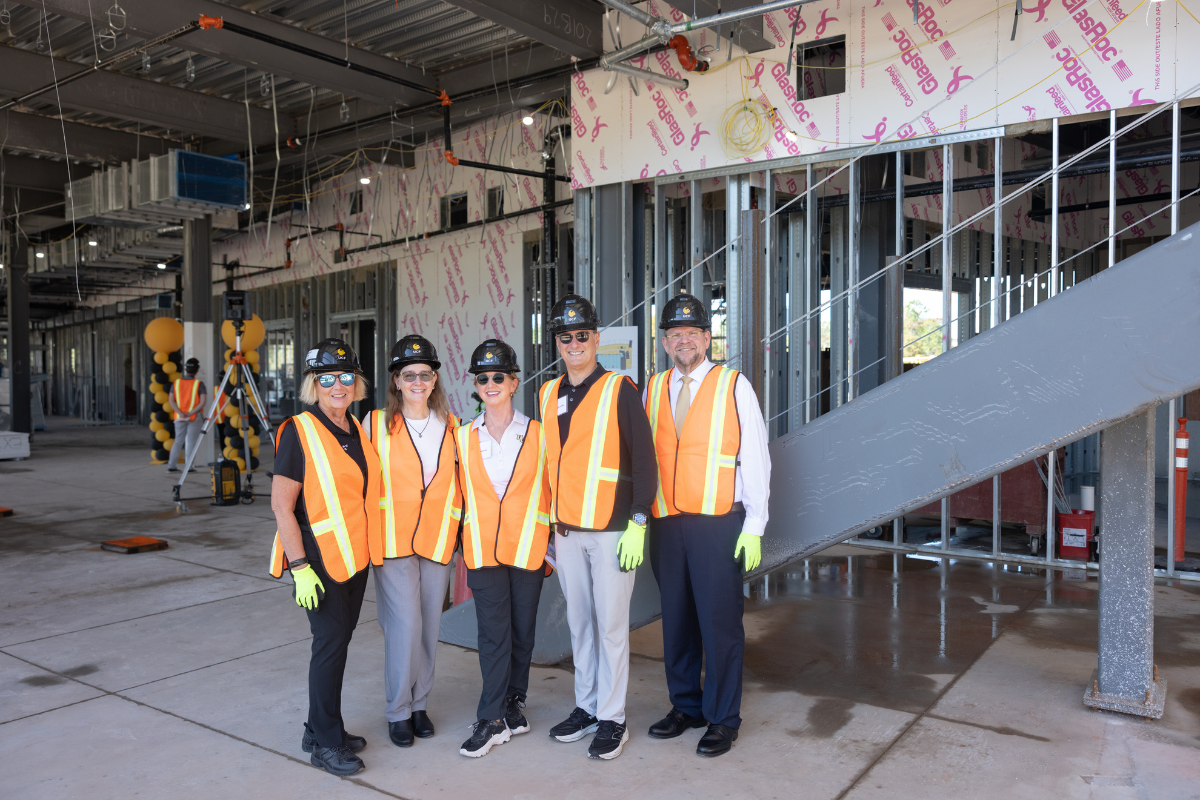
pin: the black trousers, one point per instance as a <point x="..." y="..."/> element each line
<point x="332" y="625"/>
<point x="506" y="603"/>
<point x="701" y="588"/>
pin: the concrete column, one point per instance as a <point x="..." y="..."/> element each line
<point x="198" y="330"/>
<point x="1126" y="679"/>
<point x="18" y="341"/>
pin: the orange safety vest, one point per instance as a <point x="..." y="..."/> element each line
<point x="191" y="392"/>
<point x="345" y="524"/>
<point x="584" y="472"/>
<point x="513" y="530"/>
<point x="696" y="471"/>
<point x="417" y="518"/>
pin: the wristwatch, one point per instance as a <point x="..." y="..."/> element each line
<point x="299" y="563"/>
<point x="639" y="519"/>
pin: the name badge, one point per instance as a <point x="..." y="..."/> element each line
<point x="562" y="406"/>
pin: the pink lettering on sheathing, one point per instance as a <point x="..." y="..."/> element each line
<point x="1138" y="100"/>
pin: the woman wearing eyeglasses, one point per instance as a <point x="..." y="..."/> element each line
<point x="506" y="528"/>
<point x="414" y="440"/>
<point x="325" y="494"/>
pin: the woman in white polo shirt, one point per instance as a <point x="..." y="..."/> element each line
<point x="506" y="528"/>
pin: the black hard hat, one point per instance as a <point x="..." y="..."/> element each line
<point x="573" y="313"/>
<point x="192" y="366"/>
<point x="413" y="349"/>
<point x="684" y="311"/>
<point x="331" y="355"/>
<point x="493" y="356"/>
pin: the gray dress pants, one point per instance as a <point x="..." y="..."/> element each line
<point x="409" y="593"/>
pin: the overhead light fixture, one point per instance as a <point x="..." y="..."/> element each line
<point x="41" y="255"/>
<point x="364" y="180"/>
<point x="162" y="266"/>
<point x="92" y="243"/>
<point x="527" y="119"/>
<point x="246" y="207"/>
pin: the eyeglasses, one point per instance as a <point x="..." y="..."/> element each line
<point x="411" y="377"/>
<point x="580" y="336"/>
<point x="496" y="378"/>
<point x="675" y="337"/>
<point x="327" y="379"/>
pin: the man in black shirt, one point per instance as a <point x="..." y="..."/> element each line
<point x="603" y="475"/>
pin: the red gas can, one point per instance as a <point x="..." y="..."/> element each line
<point x="1075" y="534"/>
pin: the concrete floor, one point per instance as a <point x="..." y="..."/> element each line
<point x="182" y="673"/>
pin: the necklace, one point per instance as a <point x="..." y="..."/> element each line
<point x="421" y="432"/>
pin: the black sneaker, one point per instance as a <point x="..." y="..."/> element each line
<point x="485" y="734"/>
<point x="574" y="727"/>
<point x="609" y="741"/>
<point x="309" y="742"/>
<point x="337" y="760"/>
<point x="513" y="717"/>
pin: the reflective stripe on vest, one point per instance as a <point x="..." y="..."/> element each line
<point x="195" y="394"/>
<point x="711" y="428"/>
<point x="432" y="532"/>
<point x="601" y="462"/>
<point x="522" y="543"/>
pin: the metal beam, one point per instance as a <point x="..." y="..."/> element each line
<point x="998" y="400"/>
<point x="37" y="173"/>
<point x="747" y="33"/>
<point x="572" y="26"/>
<point x="142" y="100"/>
<point x="44" y="136"/>
<point x="149" y="18"/>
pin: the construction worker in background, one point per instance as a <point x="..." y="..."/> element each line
<point x="414" y="440"/>
<point x="600" y="459"/>
<point x="326" y="495"/>
<point x="502" y="469"/>
<point x="713" y="477"/>
<point x="187" y="398"/>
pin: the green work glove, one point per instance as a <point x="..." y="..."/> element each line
<point x="631" y="546"/>
<point x="752" y="546"/>
<point x="308" y="588"/>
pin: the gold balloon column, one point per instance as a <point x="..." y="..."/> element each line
<point x="253" y="334"/>
<point x="164" y="336"/>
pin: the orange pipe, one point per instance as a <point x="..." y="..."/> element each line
<point x="684" y="51"/>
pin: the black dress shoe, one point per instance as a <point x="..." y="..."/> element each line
<point x="309" y="742"/>
<point x="422" y="725"/>
<point x="401" y="733"/>
<point x="337" y="760"/>
<point x="674" y="724"/>
<point x="716" y="740"/>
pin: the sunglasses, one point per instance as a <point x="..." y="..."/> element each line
<point x="411" y="377"/>
<point x="580" y="336"/>
<point x="496" y="378"/>
<point x="327" y="379"/>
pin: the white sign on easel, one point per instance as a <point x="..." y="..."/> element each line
<point x="619" y="351"/>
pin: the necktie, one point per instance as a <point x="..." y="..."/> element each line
<point x="682" y="403"/>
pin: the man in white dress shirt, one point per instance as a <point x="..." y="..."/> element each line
<point x="710" y="511"/>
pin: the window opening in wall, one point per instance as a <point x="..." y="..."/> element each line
<point x="356" y="202"/>
<point x="981" y="155"/>
<point x="821" y="67"/>
<point x="454" y="210"/>
<point x="914" y="164"/>
<point x="281" y="373"/>
<point x="495" y="201"/>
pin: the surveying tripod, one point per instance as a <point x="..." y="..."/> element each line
<point x="248" y="397"/>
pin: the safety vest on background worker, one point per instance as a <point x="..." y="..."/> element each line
<point x="697" y="470"/>
<point x="584" y="472"/>
<point x="513" y="530"/>
<point x="345" y="524"/>
<point x="417" y="519"/>
<point x="187" y="394"/>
